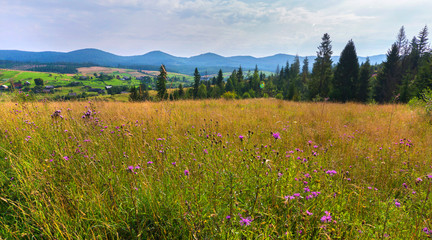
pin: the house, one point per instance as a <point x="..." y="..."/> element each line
<point x="72" y="94"/>
<point x="83" y="78"/>
<point x="27" y="83"/>
<point x="108" y="87"/>
<point x="4" y="87"/>
<point x="18" y="85"/>
<point x="126" y="78"/>
<point x="49" y="87"/>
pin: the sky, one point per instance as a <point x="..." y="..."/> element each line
<point x="191" y="27"/>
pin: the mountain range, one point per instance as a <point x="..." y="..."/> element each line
<point x="206" y="63"/>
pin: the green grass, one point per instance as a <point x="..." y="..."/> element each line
<point x="177" y="170"/>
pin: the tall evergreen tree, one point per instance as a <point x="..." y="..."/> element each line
<point x="362" y="92"/>
<point x="346" y="74"/>
<point x="197" y="82"/>
<point x="322" y="69"/>
<point x="305" y="71"/>
<point x="387" y="79"/>
<point x="219" y="79"/>
<point x="161" y="82"/>
<point x="402" y="42"/>
<point x="423" y="41"/>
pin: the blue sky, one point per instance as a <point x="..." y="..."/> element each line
<point x="191" y="27"/>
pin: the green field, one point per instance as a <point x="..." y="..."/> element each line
<point x="214" y="169"/>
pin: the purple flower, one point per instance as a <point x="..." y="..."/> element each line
<point x="327" y="217"/>
<point x="149" y="162"/>
<point x="309" y="213"/>
<point x="296" y="195"/>
<point x="131" y="168"/>
<point x="205" y="151"/>
<point x="186" y="172"/>
<point x="174" y="163"/>
<point x="245" y="221"/>
<point x="405" y="185"/>
<point x="66" y="158"/>
<point x="276" y="135"/>
<point x="331" y="172"/>
<point x="241" y="137"/>
<point x="397" y="203"/>
<point x="228" y="217"/>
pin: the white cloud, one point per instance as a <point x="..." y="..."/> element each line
<point x="188" y="27"/>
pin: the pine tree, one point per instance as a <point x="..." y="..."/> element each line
<point x="362" y="91"/>
<point x="219" y="79"/>
<point x="161" y="83"/>
<point x="346" y="74"/>
<point x="423" y="44"/>
<point x="254" y="83"/>
<point x="321" y="71"/>
<point x="197" y="82"/>
<point x="386" y="85"/>
<point x="402" y="43"/>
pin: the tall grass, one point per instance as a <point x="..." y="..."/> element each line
<point x="214" y="169"/>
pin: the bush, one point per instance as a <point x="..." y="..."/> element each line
<point x="279" y="96"/>
<point x="229" y="95"/>
<point x="246" y="95"/>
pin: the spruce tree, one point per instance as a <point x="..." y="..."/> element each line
<point x="161" y="83"/>
<point x="321" y="71"/>
<point x="362" y="92"/>
<point x="219" y="79"/>
<point x="387" y="78"/>
<point x="346" y="75"/>
<point x="197" y="82"/>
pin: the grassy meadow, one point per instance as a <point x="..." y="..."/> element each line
<point x="214" y="169"/>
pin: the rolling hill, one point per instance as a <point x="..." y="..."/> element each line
<point x="208" y="62"/>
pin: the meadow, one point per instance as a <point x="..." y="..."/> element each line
<point x="214" y="169"/>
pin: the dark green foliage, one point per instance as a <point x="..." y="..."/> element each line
<point x="197" y="82"/>
<point x="322" y="69"/>
<point x="39" y="82"/>
<point x="363" y="82"/>
<point x="344" y="84"/>
<point x="387" y="79"/>
<point x="161" y="83"/>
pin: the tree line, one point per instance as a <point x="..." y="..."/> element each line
<point x="406" y="73"/>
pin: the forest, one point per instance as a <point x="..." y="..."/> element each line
<point x="406" y="74"/>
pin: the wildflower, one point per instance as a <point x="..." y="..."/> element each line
<point x="205" y="151"/>
<point x="331" y="172"/>
<point x="245" y="221"/>
<point x="276" y="135"/>
<point x="241" y="137"/>
<point x="327" y="217"/>
<point x="66" y="158"/>
<point x="228" y="217"/>
<point x="149" y="162"/>
<point x="405" y="185"/>
<point x="289" y="197"/>
<point x="131" y="168"/>
<point x="309" y="213"/>
<point x="174" y="164"/>
<point x="397" y="203"/>
<point x="186" y="172"/>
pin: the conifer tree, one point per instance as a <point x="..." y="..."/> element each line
<point x="386" y="84"/>
<point x="321" y="71"/>
<point x="197" y="82"/>
<point x="362" y="91"/>
<point x="346" y="74"/>
<point x="219" y="79"/>
<point x="161" y="83"/>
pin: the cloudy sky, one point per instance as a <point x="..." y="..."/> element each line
<point x="191" y="27"/>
